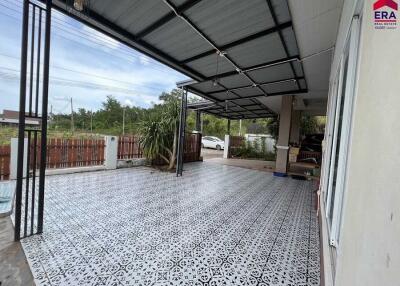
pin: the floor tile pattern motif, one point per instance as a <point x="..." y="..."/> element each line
<point x="216" y="225"/>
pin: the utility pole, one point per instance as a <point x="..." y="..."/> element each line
<point x="123" y="121"/>
<point x="91" y="121"/>
<point x="72" y="118"/>
<point x="240" y="127"/>
<point x="51" y="115"/>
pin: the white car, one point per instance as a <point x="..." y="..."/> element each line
<point x="212" y="142"/>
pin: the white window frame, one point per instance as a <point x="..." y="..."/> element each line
<point x="345" y="132"/>
<point x="337" y="99"/>
<point x="351" y="52"/>
<point x="327" y="155"/>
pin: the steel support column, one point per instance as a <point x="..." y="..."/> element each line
<point x="229" y="127"/>
<point x="198" y="121"/>
<point x="43" y="145"/>
<point x="30" y="221"/>
<point x="181" y="138"/>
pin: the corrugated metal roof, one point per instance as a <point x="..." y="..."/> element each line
<point x="224" y="95"/>
<point x="208" y="65"/>
<point x="177" y="39"/>
<point x="290" y="39"/>
<point x="258" y="44"/>
<point x="280" y="87"/>
<point x="278" y="72"/>
<point x="224" y="21"/>
<point x="262" y="50"/>
<point x="281" y="9"/>
<point x="234" y="81"/>
<point x="147" y="12"/>
<point x="246" y="92"/>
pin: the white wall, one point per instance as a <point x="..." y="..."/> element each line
<point x="368" y="251"/>
<point x="369" y="245"/>
<point x="269" y="141"/>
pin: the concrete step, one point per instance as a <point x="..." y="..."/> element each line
<point x="7" y="191"/>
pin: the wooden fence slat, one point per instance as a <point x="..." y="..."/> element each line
<point x="129" y="147"/>
<point x="5" y="162"/>
<point x="66" y="153"/>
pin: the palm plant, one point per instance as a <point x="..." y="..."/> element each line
<point x="159" y="132"/>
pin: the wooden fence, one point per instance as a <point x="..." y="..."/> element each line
<point x="192" y="148"/>
<point x="4" y="162"/>
<point x="129" y="147"/>
<point x="68" y="153"/>
<point x="235" y="142"/>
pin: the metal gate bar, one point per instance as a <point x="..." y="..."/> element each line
<point x="181" y="138"/>
<point x="26" y="197"/>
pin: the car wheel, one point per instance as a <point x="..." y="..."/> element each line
<point x="218" y="147"/>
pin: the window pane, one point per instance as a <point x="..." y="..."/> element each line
<point x="339" y="133"/>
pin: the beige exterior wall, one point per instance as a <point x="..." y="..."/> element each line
<point x="368" y="252"/>
<point x="369" y="246"/>
<point x="295" y="128"/>
<point x="284" y="134"/>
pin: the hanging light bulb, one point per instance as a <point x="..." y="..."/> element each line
<point x="78" y="5"/>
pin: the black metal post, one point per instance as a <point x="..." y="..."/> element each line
<point x="43" y="141"/>
<point x="198" y="121"/>
<point x="21" y="125"/>
<point x="181" y="138"/>
<point x="32" y="59"/>
<point x="229" y="127"/>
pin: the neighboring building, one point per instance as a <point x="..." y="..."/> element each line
<point x="11" y="117"/>
<point x="268" y="139"/>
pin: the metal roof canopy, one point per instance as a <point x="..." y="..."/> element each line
<point x="235" y="50"/>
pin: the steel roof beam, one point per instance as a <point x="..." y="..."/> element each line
<point x="253" y="68"/>
<point x="292" y="92"/>
<point x="214" y="107"/>
<point x="260" y="84"/>
<point x="206" y="38"/>
<point x="238" y="111"/>
<point x="240" y="41"/>
<point x="162" y="21"/>
<point x="275" y="19"/>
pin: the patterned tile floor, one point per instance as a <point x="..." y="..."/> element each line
<point x="217" y="225"/>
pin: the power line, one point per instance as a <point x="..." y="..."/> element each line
<point x="80" y="84"/>
<point x="90" y="39"/>
<point x="85" y="73"/>
<point x="64" y="24"/>
<point x="125" y="58"/>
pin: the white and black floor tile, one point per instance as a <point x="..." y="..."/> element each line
<point x="216" y="225"/>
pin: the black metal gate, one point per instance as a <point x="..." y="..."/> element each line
<point x="34" y="88"/>
<point x="181" y="134"/>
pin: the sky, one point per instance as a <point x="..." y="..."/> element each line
<point x="85" y="65"/>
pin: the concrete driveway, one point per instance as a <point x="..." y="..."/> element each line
<point x="211" y="153"/>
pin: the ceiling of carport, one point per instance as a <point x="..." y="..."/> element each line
<point x="316" y="23"/>
<point x="223" y="45"/>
